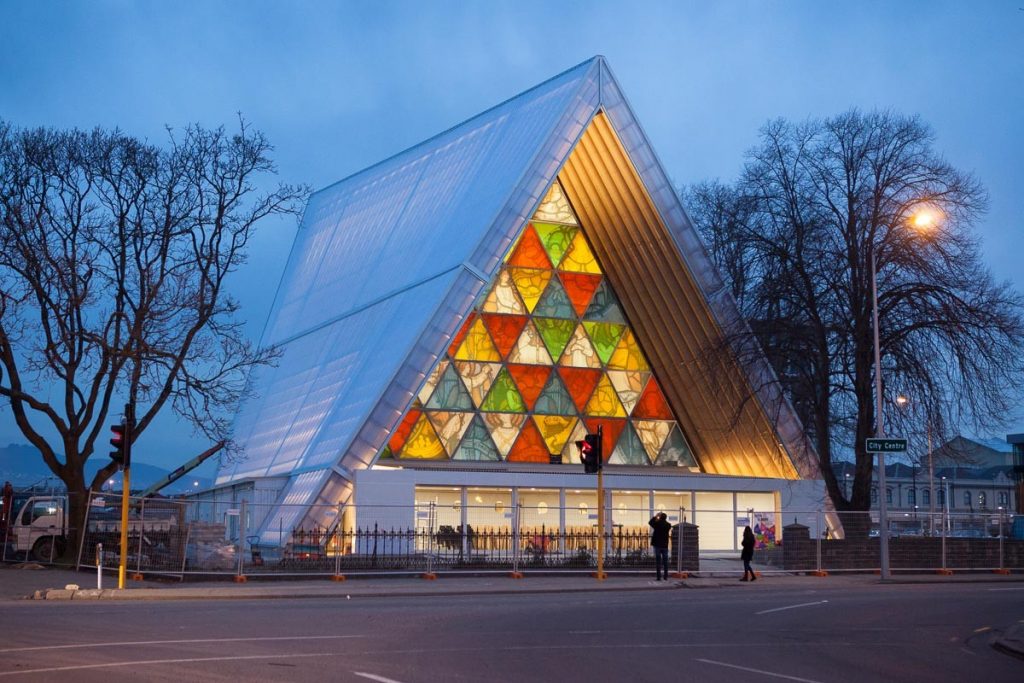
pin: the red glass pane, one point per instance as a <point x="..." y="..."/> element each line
<point x="580" y="287"/>
<point x="504" y="329"/>
<point x="460" y="335"/>
<point x="652" y="404"/>
<point x="531" y="380"/>
<point x="402" y="433"/>
<point x="530" y="251"/>
<point x="611" y="429"/>
<point x="530" y="446"/>
<point x="580" y="382"/>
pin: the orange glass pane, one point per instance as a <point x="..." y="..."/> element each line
<point x="652" y="404"/>
<point x="530" y="446"/>
<point x="627" y="355"/>
<point x="478" y="345"/>
<point x="531" y="380"/>
<point x="529" y="253"/>
<point x="610" y="436"/>
<point x="604" y="402"/>
<point x="450" y="426"/>
<point x="461" y="334"/>
<point x="423" y="443"/>
<point x="504" y="330"/>
<point x="402" y="433"/>
<point x="580" y="287"/>
<point x="531" y="283"/>
<point x="580" y="382"/>
<point x="555" y="429"/>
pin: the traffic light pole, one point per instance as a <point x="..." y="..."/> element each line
<point x="600" y="575"/>
<point x="129" y="418"/>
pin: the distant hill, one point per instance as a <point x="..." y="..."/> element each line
<point x="22" y="465"/>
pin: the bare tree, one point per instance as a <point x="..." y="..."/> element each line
<point x="795" y="237"/>
<point x="113" y="258"/>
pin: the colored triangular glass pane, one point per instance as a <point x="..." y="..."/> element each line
<point x="461" y="334"/>
<point x="555" y="207"/>
<point x="504" y="429"/>
<point x="529" y="348"/>
<point x="530" y="252"/>
<point x="450" y="394"/>
<point x="423" y="443"/>
<point x="604" y="336"/>
<point x="579" y="258"/>
<point x="449" y="427"/>
<point x="476" y="444"/>
<point x="504" y="330"/>
<point x="530" y="380"/>
<point x="478" y="378"/>
<point x="629" y="384"/>
<point x="580" y="382"/>
<point x="397" y="439"/>
<point x="555" y="399"/>
<point x="503" y="297"/>
<point x="432" y="379"/>
<point x="676" y="451"/>
<point x="604" y="402"/>
<point x="386" y="454"/>
<point x="627" y="355"/>
<point x="580" y="288"/>
<point x="555" y="429"/>
<point x="652" y="404"/>
<point x="503" y="396"/>
<point x="570" y="453"/>
<point x="531" y="283"/>
<point x="611" y="428"/>
<point x="530" y="446"/>
<point x="652" y="435"/>
<point x="554" y="302"/>
<point x="604" y="306"/>
<point x="629" y="450"/>
<point x="478" y="345"/>
<point x="555" y="333"/>
<point x="579" y="352"/>
<point x="556" y="239"/>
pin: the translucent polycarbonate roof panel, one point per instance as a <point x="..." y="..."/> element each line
<point x="427" y="209"/>
<point x="293" y="506"/>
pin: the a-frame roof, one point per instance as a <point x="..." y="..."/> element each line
<point x="388" y="261"/>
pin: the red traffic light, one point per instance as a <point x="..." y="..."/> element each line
<point x="119" y="441"/>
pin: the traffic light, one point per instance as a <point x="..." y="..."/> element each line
<point x="590" y="453"/>
<point x="122" y="451"/>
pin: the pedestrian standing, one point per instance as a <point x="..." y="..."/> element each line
<point x="748" y="554"/>
<point x="659" y="541"/>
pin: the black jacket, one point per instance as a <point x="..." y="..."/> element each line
<point x="748" y="548"/>
<point x="659" y="539"/>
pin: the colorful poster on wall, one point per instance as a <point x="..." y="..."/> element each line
<point x="764" y="530"/>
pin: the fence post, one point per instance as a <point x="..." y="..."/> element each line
<point x="85" y="527"/>
<point x="137" y="576"/>
<point x="944" y="528"/>
<point x="679" y="543"/>
<point x="516" y="516"/>
<point x="99" y="566"/>
<point x="1002" y="569"/>
<point x="240" y="575"/>
<point x="430" y="575"/>
<point x="817" y="533"/>
<point x="339" y="528"/>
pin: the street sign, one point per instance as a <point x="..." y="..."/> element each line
<point x="885" y="445"/>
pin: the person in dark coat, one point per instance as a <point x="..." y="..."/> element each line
<point x="659" y="541"/>
<point x="748" y="554"/>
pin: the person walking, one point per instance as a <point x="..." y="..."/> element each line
<point x="748" y="554"/>
<point x="659" y="541"/>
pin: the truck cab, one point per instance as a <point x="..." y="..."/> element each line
<point x="39" y="526"/>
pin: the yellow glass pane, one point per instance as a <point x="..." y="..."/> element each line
<point x="423" y="443"/>
<point x="579" y="352"/>
<point x="628" y="355"/>
<point x="652" y="434"/>
<point x="531" y="283"/>
<point x="432" y="380"/>
<point x="478" y="378"/>
<point x="555" y="207"/>
<point x="604" y="402"/>
<point x="449" y="426"/>
<point x="478" y="345"/>
<point x="530" y="349"/>
<point x="571" y="454"/>
<point x="555" y="429"/>
<point x="504" y="428"/>
<point x="503" y="298"/>
<point x="579" y="258"/>
<point x="628" y="385"/>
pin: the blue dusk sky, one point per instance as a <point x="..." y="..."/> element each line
<point x="337" y="86"/>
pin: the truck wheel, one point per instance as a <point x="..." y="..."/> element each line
<point x="47" y="549"/>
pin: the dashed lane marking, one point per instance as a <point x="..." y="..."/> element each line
<point x="375" y="677"/>
<point x="759" y="671"/>
<point x="802" y="604"/>
<point x="171" y="642"/>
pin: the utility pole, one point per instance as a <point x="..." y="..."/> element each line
<point x="129" y="423"/>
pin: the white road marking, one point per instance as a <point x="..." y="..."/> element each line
<point x="375" y="677"/>
<point x="759" y="671"/>
<point x="1007" y="589"/>
<point x="171" y="642"/>
<point x="802" y="604"/>
<point x="144" y="662"/>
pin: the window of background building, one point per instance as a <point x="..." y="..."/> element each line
<point x="539" y="509"/>
<point x="631" y="509"/>
<point x="670" y="502"/>
<point x="888" y="496"/>
<point x="714" y="514"/>
<point x="941" y="496"/>
<point x="967" y="498"/>
<point x="911" y="497"/>
<point x="926" y="497"/>
<point x="874" y="495"/>
<point x="1004" y="498"/>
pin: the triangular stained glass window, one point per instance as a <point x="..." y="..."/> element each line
<point x="450" y="393"/>
<point x="627" y="355"/>
<point x="628" y="385"/>
<point x="580" y="382"/>
<point x="652" y="434"/>
<point x="449" y="427"/>
<point x="629" y="450"/>
<point x="529" y="348"/>
<point x="556" y="239"/>
<point x="610" y="427"/>
<point x="461" y="334"/>
<point x="503" y="297"/>
<point x="402" y="432"/>
<point x="423" y="443"/>
<point x="530" y="252"/>
<point x="604" y="402"/>
<point x="676" y="451"/>
<point x="504" y="330"/>
<point x="530" y="380"/>
<point x="503" y="396"/>
<point x="604" y="306"/>
<point x="579" y="258"/>
<point x="605" y="337"/>
<point x="554" y="302"/>
<point x="530" y="446"/>
<point x="476" y="444"/>
<point x="652" y="404"/>
<point x="555" y="430"/>
<point x="556" y="333"/>
<point x="555" y="207"/>
<point x="432" y="379"/>
<point x="580" y="288"/>
<point x="504" y="429"/>
<point x="570" y="453"/>
<point x="554" y="400"/>
<point x="478" y="378"/>
<point x="579" y="352"/>
<point x="478" y="345"/>
<point x="530" y="283"/>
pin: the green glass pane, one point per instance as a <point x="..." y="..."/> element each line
<point x="604" y="306"/>
<point x="629" y="450"/>
<point x="604" y="337"/>
<point x="556" y="239"/>
<point x="503" y="397"/>
<point x="676" y="452"/>
<point x="555" y="399"/>
<point x="450" y="393"/>
<point x="555" y="333"/>
<point x="554" y="302"/>
<point x="386" y="454"/>
<point x="476" y="444"/>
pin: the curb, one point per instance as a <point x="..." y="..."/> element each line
<point x="1012" y="642"/>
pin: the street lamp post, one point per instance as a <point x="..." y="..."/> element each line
<point x="883" y="522"/>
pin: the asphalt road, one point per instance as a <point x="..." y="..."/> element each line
<point x="899" y="633"/>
